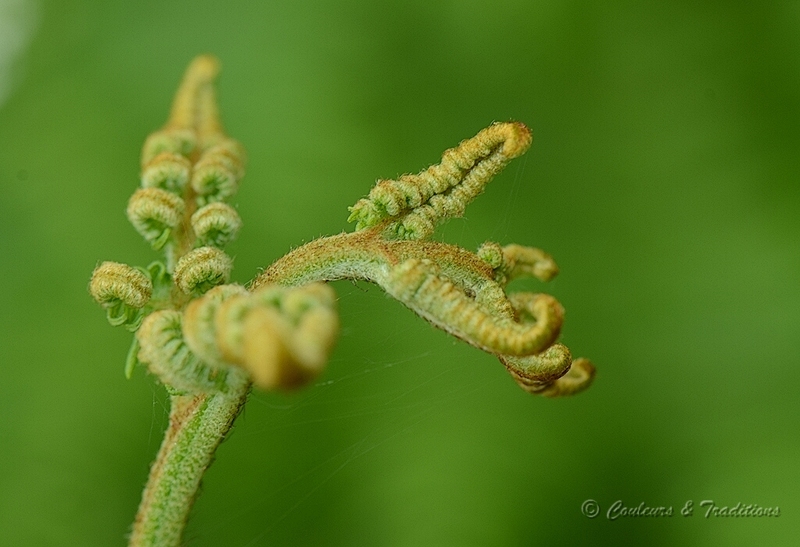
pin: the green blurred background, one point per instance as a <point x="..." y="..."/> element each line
<point x="663" y="178"/>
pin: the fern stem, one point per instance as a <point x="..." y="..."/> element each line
<point x="197" y="425"/>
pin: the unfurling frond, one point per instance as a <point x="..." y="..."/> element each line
<point x="414" y="204"/>
<point x="213" y="180"/>
<point x="515" y="261"/>
<point x="113" y="282"/>
<point x="216" y="224"/>
<point x="167" y="356"/>
<point x="281" y="336"/>
<point x="122" y="290"/>
<point x="155" y="213"/>
<point x="460" y="292"/>
<point x="201" y="269"/>
<point x="168" y="171"/>
<point x="208" y="342"/>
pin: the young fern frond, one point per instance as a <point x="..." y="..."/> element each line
<point x="208" y="341"/>
<point x="455" y="290"/>
<point x="415" y="204"/>
<point x="216" y="224"/>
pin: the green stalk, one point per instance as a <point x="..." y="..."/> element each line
<point x="197" y="425"/>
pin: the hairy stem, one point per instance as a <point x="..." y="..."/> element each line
<point x="197" y="425"/>
<point x="366" y="255"/>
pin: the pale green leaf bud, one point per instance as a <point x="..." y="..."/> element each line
<point x="213" y="182"/>
<point x="281" y="336"/>
<point x="122" y="291"/>
<point x="551" y="373"/>
<point x="216" y="224"/>
<point x="218" y="171"/>
<point x="113" y="281"/>
<point x="174" y="141"/>
<point x="199" y="328"/>
<point x="167" y="171"/>
<point x="520" y="261"/>
<point x="420" y="285"/>
<point x="200" y="269"/>
<point x="492" y="253"/>
<point x="228" y="152"/>
<point x="155" y="213"/>
<point x="166" y="355"/>
<point x="515" y="261"/>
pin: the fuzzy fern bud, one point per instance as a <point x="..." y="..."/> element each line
<point x="122" y="290"/>
<point x="174" y="141"/>
<point x="199" y="328"/>
<point x="515" y="261"/>
<point x="203" y="268"/>
<point x="167" y="356"/>
<point x="217" y="173"/>
<point x="420" y="285"/>
<point x="216" y="224"/>
<point x="281" y="336"/>
<point x="167" y="171"/>
<point x="155" y="213"/>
